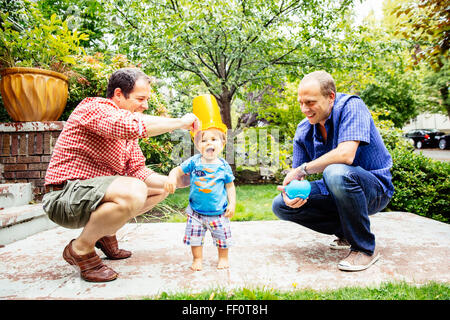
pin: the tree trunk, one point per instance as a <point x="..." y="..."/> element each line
<point x="224" y="102"/>
<point x="445" y="100"/>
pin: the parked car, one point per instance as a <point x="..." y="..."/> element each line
<point x="425" y="137"/>
<point x="444" y="142"/>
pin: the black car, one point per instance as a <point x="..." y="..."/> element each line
<point x="444" y="142"/>
<point x="425" y="137"/>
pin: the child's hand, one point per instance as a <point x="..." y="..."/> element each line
<point x="229" y="213"/>
<point x="170" y="186"/>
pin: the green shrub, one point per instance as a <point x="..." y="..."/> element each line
<point x="157" y="151"/>
<point x="392" y="137"/>
<point x="422" y="185"/>
<point x="28" y="39"/>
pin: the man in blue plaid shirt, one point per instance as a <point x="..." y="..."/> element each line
<point x="339" y="139"/>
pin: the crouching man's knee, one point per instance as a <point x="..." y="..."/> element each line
<point x="335" y="176"/>
<point x="276" y="205"/>
<point x="334" y="173"/>
<point x="130" y="197"/>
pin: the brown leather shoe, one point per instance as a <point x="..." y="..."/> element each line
<point x="110" y="247"/>
<point x="91" y="266"/>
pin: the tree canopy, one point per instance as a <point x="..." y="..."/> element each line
<point x="426" y="26"/>
<point x="240" y="49"/>
<point x="227" y="45"/>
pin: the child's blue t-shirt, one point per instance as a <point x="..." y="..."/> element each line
<point x="208" y="194"/>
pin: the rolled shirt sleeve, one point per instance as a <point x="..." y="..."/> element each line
<point x="355" y="122"/>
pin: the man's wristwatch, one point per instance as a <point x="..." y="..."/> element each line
<point x="302" y="169"/>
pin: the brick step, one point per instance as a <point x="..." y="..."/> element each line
<point x="20" y="222"/>
<point x="15" y="194"/>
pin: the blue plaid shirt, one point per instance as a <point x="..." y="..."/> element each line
<point x="350" y="120"/>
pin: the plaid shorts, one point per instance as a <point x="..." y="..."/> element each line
<point x="197" y="224"/>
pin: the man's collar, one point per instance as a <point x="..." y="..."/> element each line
<point x="112" y="101"/>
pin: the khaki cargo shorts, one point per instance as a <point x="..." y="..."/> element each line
<point x="71" y="207"/>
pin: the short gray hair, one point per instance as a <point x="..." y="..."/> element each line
<point x="326" y="81"/>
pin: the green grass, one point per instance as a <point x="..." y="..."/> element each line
<point x="386" y="291"/>
<point x="253" y="202"/>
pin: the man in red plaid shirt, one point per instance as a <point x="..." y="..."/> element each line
<point x="97" y="179"/>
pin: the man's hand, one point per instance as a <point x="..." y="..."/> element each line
<point x="294" y="174"/>
<point x="295" y="203"/>
<point x="292" y="203"/>
<point x="190" y="122"/>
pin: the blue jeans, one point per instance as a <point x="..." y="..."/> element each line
<point x="354" y="195"/>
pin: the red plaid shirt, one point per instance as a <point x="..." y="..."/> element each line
<point x="98" y="139"/>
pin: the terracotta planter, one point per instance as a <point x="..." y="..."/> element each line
<point x="31" y="94"/>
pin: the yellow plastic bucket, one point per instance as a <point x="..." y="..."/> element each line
<point x="207" y="110"/>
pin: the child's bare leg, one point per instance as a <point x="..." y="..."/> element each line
<point x="197" y="254"/>
<point x="223" y="259"/>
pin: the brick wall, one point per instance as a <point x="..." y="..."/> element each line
<point x="25" y="151"/>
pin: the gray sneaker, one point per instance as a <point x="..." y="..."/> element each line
<point x="340" y="244"/>
<point x="358" y="261"/>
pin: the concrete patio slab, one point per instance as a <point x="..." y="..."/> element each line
<point x="269" y="254"/>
